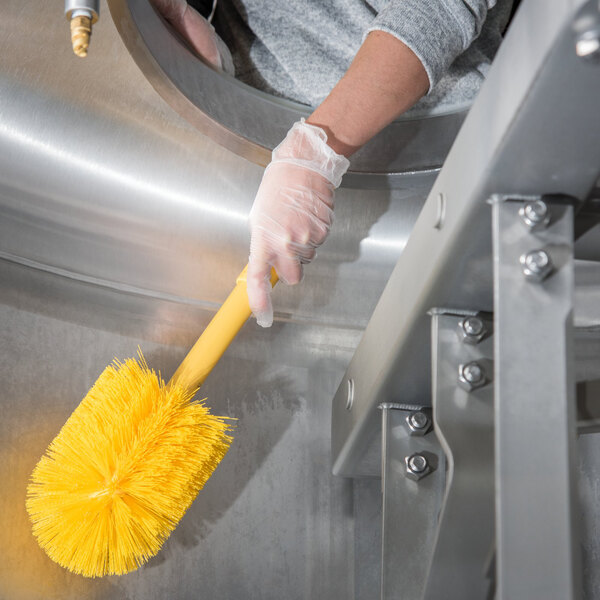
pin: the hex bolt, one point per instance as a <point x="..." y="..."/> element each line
<point x="471" y="376"/>
<point x="418" y="423"/>
<point x="472" y="373"/>
<point x="417" y="463"/>
<point x="417" y="466"/>
<point x="536" y="265"/>
<point x="471" y="330"/>
<point x="535" y="215"/>
<point x="587" y="45"/>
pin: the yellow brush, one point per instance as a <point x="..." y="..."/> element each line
<point x="132" y="457"/>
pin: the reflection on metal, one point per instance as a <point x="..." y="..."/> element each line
<point x="102" y="182"/>
<point x="587" y="39"/>
<point x="535" y="408"/>
<point x="251" y="123"/>
<point x="350" y="398"/>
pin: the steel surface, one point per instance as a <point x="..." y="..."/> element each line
<point x="272" y="521"/>
<point x="101" y="181"/>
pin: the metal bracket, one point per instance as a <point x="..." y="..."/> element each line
<point x="413" y="477"/>
<point x="464" y="425"/>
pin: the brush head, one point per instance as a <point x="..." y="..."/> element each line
<point x="122" y="471"/>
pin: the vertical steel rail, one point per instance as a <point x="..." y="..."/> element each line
<point x="536" y="508"/>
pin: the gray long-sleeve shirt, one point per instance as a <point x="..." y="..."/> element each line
<point x="299" y="49"/>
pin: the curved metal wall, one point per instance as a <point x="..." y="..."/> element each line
<point x="101" y="179"/>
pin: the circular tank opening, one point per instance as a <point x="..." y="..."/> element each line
<point x="251" y="122"/>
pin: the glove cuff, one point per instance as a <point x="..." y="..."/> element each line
<point x="306" y="146"/>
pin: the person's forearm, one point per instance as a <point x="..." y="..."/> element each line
<point x="384" y="80"/>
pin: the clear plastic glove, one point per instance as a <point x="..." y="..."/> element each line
<point x="292" y="212"/>
<point x="197" y="31"/>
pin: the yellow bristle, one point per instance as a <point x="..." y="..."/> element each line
<point x="122" y="471"/>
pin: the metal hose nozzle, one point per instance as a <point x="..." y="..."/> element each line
<point x="82" y="14"/>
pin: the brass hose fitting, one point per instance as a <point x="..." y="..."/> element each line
<point x="81" y="30"/>
<point x="81" y="14"/>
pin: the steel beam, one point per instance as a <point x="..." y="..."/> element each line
<point x="536" y="507"/>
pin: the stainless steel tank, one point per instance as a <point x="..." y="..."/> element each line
<point x="121" y="224"/>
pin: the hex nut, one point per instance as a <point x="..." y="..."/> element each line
<point x="471" y="376"/>
<point x="471" y="330"/>
<point x="418" y="422"/>
<point x="535" y="214"/>
<point x="536" y="265"/>
<point x="417" y="466"/>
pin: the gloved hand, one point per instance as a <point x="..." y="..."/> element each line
<point x="197" y="31"/>
<point x="292" y="212"/>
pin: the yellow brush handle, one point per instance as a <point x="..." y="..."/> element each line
<point x="217" y="336"/>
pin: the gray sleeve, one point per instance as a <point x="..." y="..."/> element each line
<point x="437" y="31"/>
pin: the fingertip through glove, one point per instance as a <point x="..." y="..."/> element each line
<point x="198" y="31"/>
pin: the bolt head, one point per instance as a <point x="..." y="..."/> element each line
<point x="473" y="326"/>
<point x="418" y="423"/>
<point x="535" y="215"/>
<point x="417" y="466"/>
<point x="417" y="463"/>
<point x="536" y="265"/>
<point x="587" y="45"/>
<point x="471" y="330"/>
<point x="471" y="376"/>
<point x="472" y="373"/>
<point x="536" y="261"/>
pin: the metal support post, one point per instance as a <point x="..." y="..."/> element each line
<point x="536" y="508"/>
<point x="463" y="409"/>
<point x="413" y="476"/>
